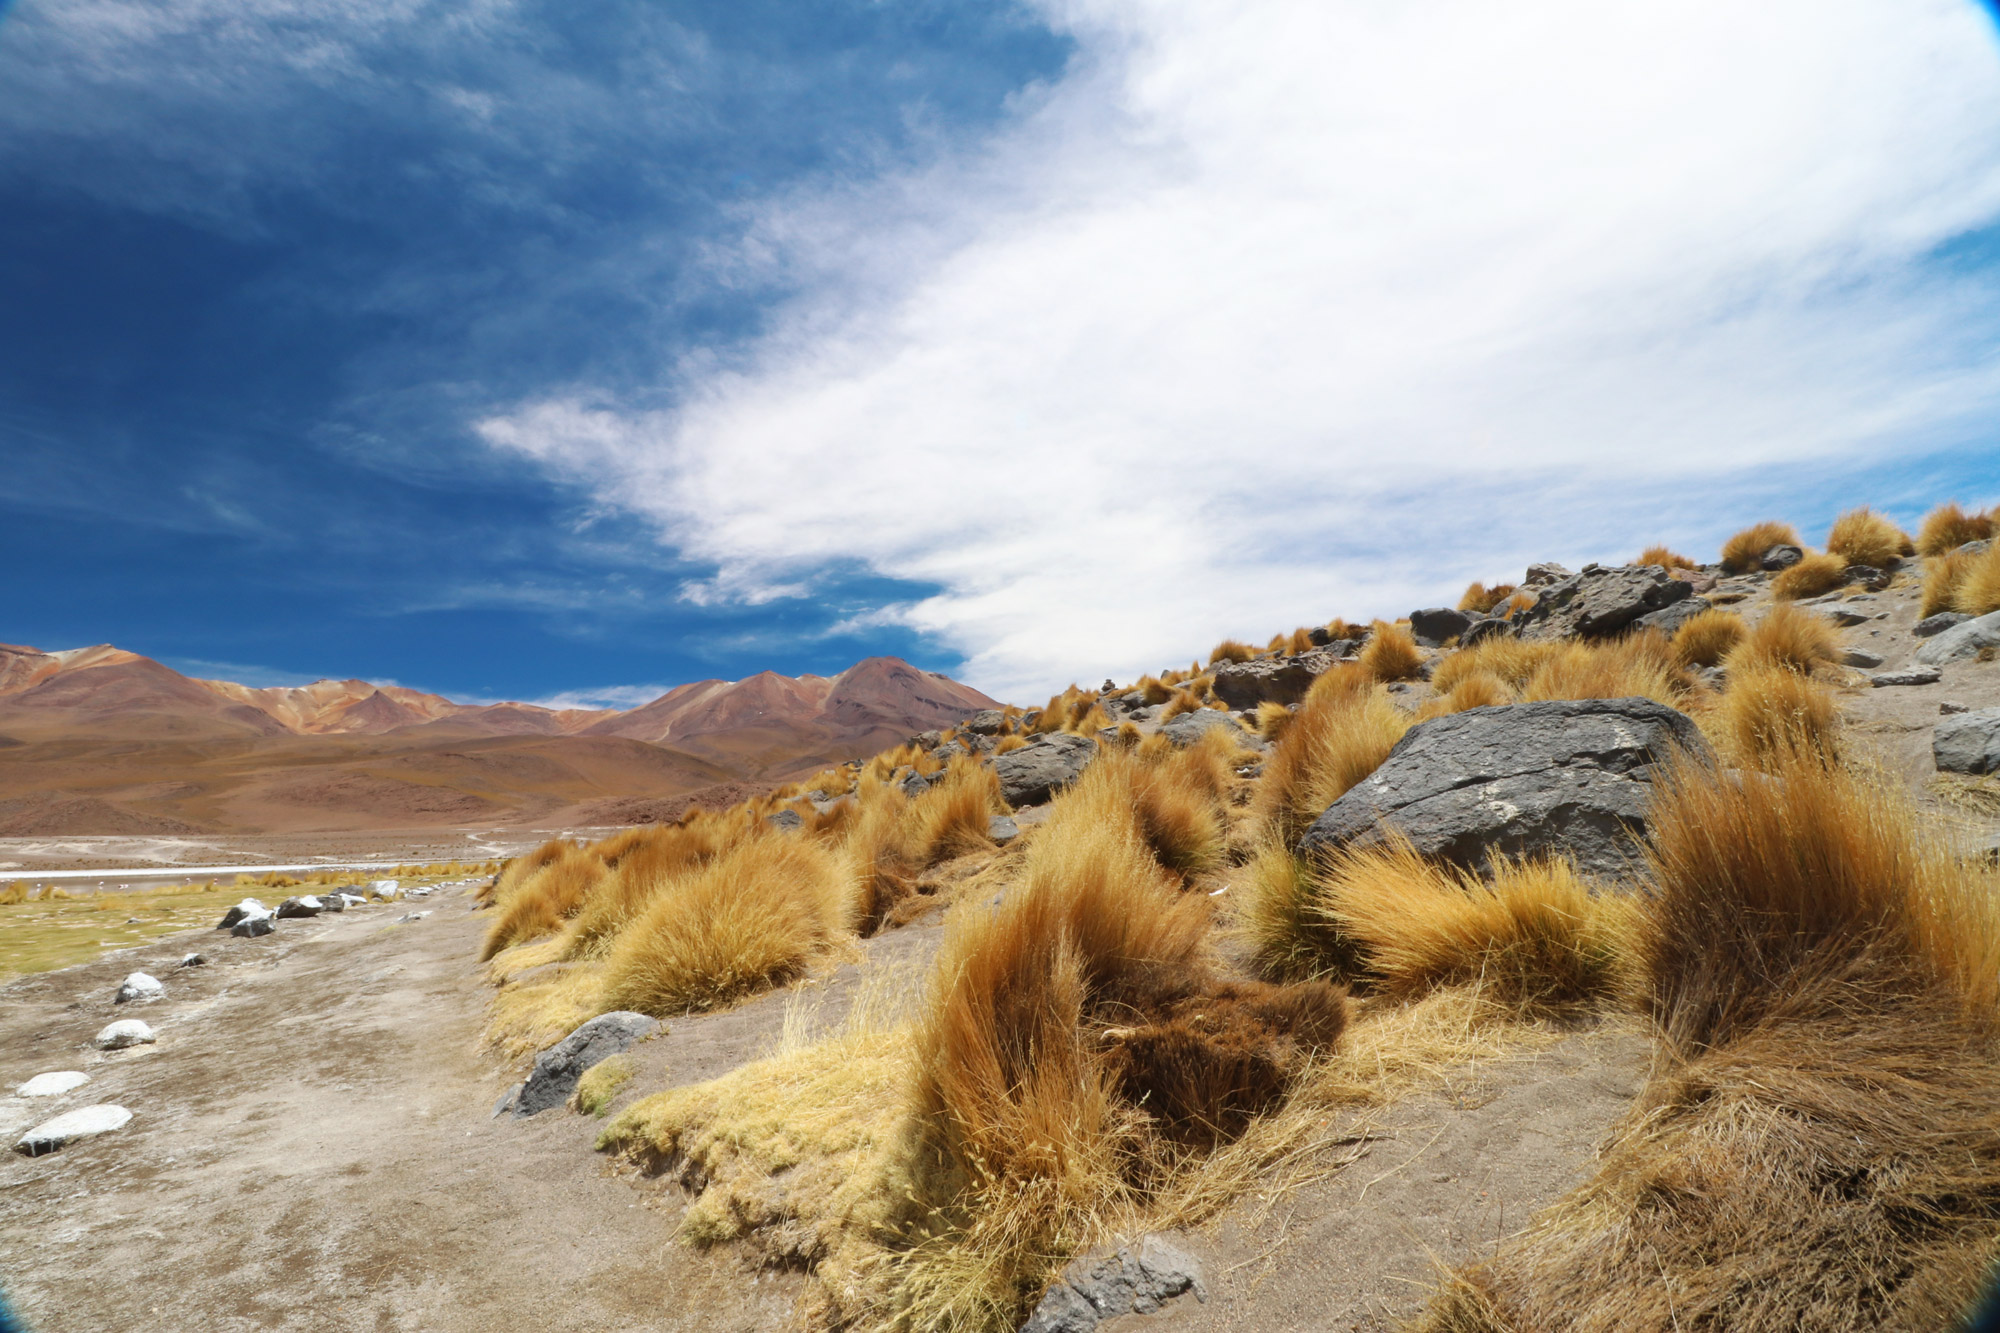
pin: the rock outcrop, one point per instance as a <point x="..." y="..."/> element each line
<point x="1962" y="642"/>
<point x="1968" y="742"/>
<point x="558" y="1068"/>
<point x="1044" y="766"/>
<point x="1599" y="602"/>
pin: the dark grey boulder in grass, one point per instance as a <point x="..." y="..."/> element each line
<point x="1283" y="680"/>
<point x="559" y="1067"/>
<point x="1188" y="728"/>
<point x="1668" y="619"/>
<point x="1043" y="767"/>
<point x="1599" y="602"/>
<point x="1433" y="625"/>
<point x="1968" y="742"/>
<point x="1570" y="777"/>
<point x="1135" y="1279"/>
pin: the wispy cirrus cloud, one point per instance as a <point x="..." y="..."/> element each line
<point x="1270" y="310"/>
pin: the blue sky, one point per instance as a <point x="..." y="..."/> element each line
<point x="526" y="350"/>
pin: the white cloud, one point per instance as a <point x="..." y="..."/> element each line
<point x="605" y="696"/>
<point x="1279" y="308"/>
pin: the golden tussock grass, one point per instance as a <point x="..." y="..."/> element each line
<point x="1637" y="666"/>
<point x="1231" y="650"/>
<point x="1341" y="732"/>
<point x="1742" y="552"/>
<point x="1299" y="641"/>
<point x="1768" y="712"/>
<point x="1009" y="743"/>
<point x="1813" y="575"/>
<point x="1512" y="661"/>
<point x="1864" y="537"/>
<point x="1534" y="938"/>
<point x="1480" y="689"/>
<point x="1978" y="589"/>
<point x="1344" y="629"/>
<point x="1390" y="653"/>
<point x="641" y="863"/>
<point x="894" y="839"/>
<point x="1943" y="576"/>
<point x="542" y="902"/>
<point x="602" y="1082"/>
<point x="1949" y="527"/>
<point x="1173" y="799"/>
<point x="1478" y="597"/>
<point x="1706" y="637"/>
<point x="1184" y="701"/>
<point x="518" y="869"/>
<point x="1154" y="690"/>
<point x="1272" y="719"/>
<point x="1786" y="637"/>
<point x="1664" y="558"/>
<point x="1279" y="917"/>
<point x="1821" y="1147"/>
<point x="760" y="914"/>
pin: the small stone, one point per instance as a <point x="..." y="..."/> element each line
<point x="413" y="916"/>
<point x="247" y="910"/>
<point x="53" y="1085"/>
<point x="558" y="1068"/>
<point x="1950" y="706"/>
<point x="71" y="1126"/>
<point x="293" y="908"/>
<point x="1859" y="657"/>
<point x="194" y="960"/>
<point x="125" y="1032"/>
<point x="1002" y="829"/>
<point x="140" y="988"/>
<point x="1781" y="557"/>
<point x="1845" y="616"/>
<point x="1908" y="676"/>
<point x="786" y="821"/>
<point x="1968" y="742"/>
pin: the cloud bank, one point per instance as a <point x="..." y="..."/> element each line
<point x="1275" y="309"/>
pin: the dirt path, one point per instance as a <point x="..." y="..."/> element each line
<point x="311" y="1148"/>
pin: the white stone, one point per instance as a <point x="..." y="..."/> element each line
<point x="385" y="887"/>
<point x="140" y="988"/>
<point x="413" y="916"/>
<point x="54" y="1084"/>
<point x="71" y="1126"/>
<point x="125" y="1032"/>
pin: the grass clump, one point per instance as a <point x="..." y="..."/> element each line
<point x="1769" y="713"/>
<point x="1864" y="537"/>
<point x="1977" y="591"/>
<point x="602" y="1082"/>
<point x="1636" y="666"/>
<point x="1231" y="650"/>
<point x="1664" y="558"/>
<point x="1813" y="575"/>
<point x="1707" y="637"/>
<point x="1744" y="551"/>
<point x="1820" y="1145"/>
<point x="1341" y="732"/>
<point x="1482" y="599"/>
<point x="543" y="901"/>
<point x="760" y="914"/>
<point x="1272" y="719"/>
<point x="895" y="839"/>
<point x="1391" y="654"/>
<point x="1786" y="637"/>
<point x="1949" y="527"/>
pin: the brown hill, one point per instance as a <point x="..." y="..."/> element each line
<point x="100" y="740"/>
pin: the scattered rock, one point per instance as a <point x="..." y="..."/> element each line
<point x="1907" y="676"/>
<point x="250" y="927"/>
<point x="337" y="902"/>
<point x="1136" y="1279"/>
<point x="1962" y="642"/>
<point x="1779" y="558"/>
<point x="558" y="1068"/>
<point x="1968" y="742"/>
<point x="1972" y="548"/>
<point x="1283" y="680"/>
<point x="927" y="740"/>
<point x="1558" y="776"/>
<point x="1540" y="576"/>
<point x="1191" y="727"/>
<point x="125" y="1032"/>
<point x="1714" y="677"/>
<point x="1867" y="576"/>
<point x="139" y="988"/>
<point x="293" y="908"/>
<point x="1670" y="618"/>
<point x="1599" y="602"/>
<point x="194" y="960"/>
<point x="1482" y="630"/>
<point x="71" y="1126"/>
<point x="1861" y="658"/>
<point x="1950" y="706"/>
<point x="1437" y="624"/>
<point x="1033" y="773"/>
<point x="53" y="1085"/>
<point x="786" y="821"/>
<point x="1002" y="829"/>
<point x="246" y="910"/>
<point x="1939" y="623"/>
<point x="413" y="916"/>
<point x="385" y="887"/>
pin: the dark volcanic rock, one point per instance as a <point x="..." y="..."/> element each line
<point x="1282" y="680"/>
<point x="559" y="1067"/>
<point x="1599" y="602"/>
<point x="1780" y="558"/>
<point x="1136" y="1279"/>
<point x="1191" y="727"/>
<point x="1563" y="776"/>
<point x="1047" y="764"/>
<point x="1434" y="625"/>
<point x="1670" y="618"/>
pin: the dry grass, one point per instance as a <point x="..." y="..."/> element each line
<point x="1231" y="650"/>
<point x="1864" y="537"/>
<point x="1481" y="689"/>
<point x="1707" y="637"/>
<point x="1154" y="690"/>
<point x="602" y="1082"/>
<point x="1511" y="661"/>
<point x="1007" y="744"/>
<point x="1767" y="713"/>
<point x="895" y="839"/>
<point x="1741" y="553"/>
<point x="760" y="914"/>
<point x="542" y="902"/>
<point x="642" y="863"/>
<point x="1817" y="573"/>
<point x="1943" y="576"/>
<point x="1786" y="637"/>
<point x="1272" y="719"/>
<point x="518" y="869"/>
<point x="1478" y="597"/>
<point x="1184" y="701"/>
<point x="1636" y="666"/>
<point x="1949" y="527"/>
<point x="1342" y="731"/>
<point x="1978" y="590"/>
<point x="1822" y="1148"/>
<point x="1664" y="558"/>
<point x="1391" y="654"/>
<point x="1279" y="917"/>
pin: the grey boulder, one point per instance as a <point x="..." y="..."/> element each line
<point x="558" y="1068"/>
<point x="1862" y="658"/>
<point x="1569" y="777"/>
<point x="1962" y="642"/>
<point x="1670" y="618"/>
<point x="1002" y="829"/>
<point x="1283" y="680"/>
<point x="1044" y="766"/>
<point x="1434" y="625"/>
<point x="1135" y="1279"/>
<point x="1599" y="602"/>
<point x="1482" y="630"/>
<point x="53" y="1084"/>
<point x="1542" y="575"/>
<point x="125" y="1032"/>
<point x="1908" y="676"/>
<point x="786" y="821"/>
<point x="986" y="722"/>
<point x="139" y="988"/>
<point x="1190" y="727"/>
<point x="294" y="908"/>
<point x="1938" y="624"/>
<point x="1968" y="742"/>
<point x="246" y="910"/>
<point x="250" y="927"/>
<point x="1781" y="557"/>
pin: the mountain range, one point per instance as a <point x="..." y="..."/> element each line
<point x="101" y="740"/>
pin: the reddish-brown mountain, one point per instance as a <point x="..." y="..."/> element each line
<point x="99" y="740"/>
